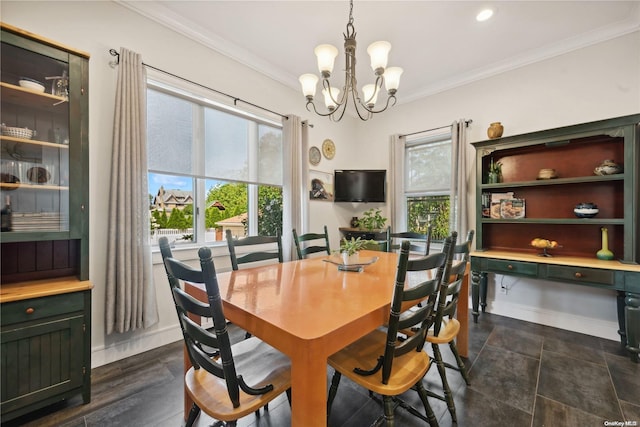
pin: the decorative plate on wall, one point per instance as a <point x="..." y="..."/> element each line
<point x="328" y="149"/>
<point x="314" y="155"/>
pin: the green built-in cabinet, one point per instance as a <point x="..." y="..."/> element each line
<point x="45" y="294"/>
<point x="504" y="234"/>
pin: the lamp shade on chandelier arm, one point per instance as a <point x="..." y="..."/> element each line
<point x="336" y="100"/>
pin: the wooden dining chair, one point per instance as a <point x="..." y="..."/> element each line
<point x="304" y="248"/>
<point x="165" y="251"/>
<point x="446" y="327"/>
<point x="255" y="256"/>
<point x="380" y="240"/>
<point x="243" y="377"/>
<point x="420" y="242"/>
<point x="382" y="363"/>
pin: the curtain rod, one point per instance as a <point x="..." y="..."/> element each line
<point x="466" y="123"/>
<point x="115" y="53"/>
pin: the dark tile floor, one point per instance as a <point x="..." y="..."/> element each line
<point x="522" y="374"/>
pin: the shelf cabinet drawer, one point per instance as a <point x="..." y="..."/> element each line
<point x="513" y="267"/>
<point x="39" y="308"/>
<point x="581" y="275"/>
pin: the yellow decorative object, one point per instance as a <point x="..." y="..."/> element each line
<point x="495" y="130"/>
<point x="328" y="149"/>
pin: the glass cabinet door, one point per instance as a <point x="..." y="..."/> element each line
<point x="35" y="140"/>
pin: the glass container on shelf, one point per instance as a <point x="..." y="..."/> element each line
<point x="34" y="155"/>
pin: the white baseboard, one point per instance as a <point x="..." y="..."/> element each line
<point x="134" y="343"/>
<point x="572" y="322"/>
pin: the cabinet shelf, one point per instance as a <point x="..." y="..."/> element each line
<point x="10" y="186"/>
<point x="18" y="95"/>
<point x="580" y="221"/>
<point x="556" y="181"/>
<point x="549" y="203"/>
<point x="7" y="139"/>
<point x="47" y="328"/>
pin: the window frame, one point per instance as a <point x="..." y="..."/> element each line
<point x="403" y="197"/>
<point x="201" y="100"/>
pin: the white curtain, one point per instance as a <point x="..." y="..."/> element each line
<point x="130" y="299"/>
<point x="294" y="202"/>
<point x="398" y="219"/>
<point x="459" y="173"/>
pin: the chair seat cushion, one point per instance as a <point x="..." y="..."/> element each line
<point x="258" y="363"/>
<point x="407" y="369"/>
<point x="448" y="332"/>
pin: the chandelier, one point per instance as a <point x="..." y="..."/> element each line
<point x="336" y="100"/>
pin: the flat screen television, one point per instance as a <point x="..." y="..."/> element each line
<point x="359" y="185"/>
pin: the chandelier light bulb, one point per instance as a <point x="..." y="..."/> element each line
<point x="379" y="53"/>
<point x="336" y="99"/>
<point x="328" y="101"/>
<point x="308" y="82"/>
<point x="370" y="95"/>
<point x="326" y="54"/>
<point x="392" y="79"/>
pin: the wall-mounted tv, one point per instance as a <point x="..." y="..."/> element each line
<point x="359" y="185"/>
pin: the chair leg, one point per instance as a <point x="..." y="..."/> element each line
<point x="335" y="381"/>
<point x="461" y="367"/>
<point x="389" y="407"/>
<point x="445" y="384"/>
<point x="193" y="414"/>
<point x="433" y="422"/>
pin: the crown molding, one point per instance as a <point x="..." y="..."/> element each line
<point x="164" y="16"/>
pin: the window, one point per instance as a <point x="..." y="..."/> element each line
<point x="426" y="184"/>
<point x="211" y="168"/>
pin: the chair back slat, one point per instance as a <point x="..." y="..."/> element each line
<point x="416" y="318"/>
<point x="208" y="277"/>
<point x="260" y="255"/>
<point x="420" y="242"/>
<point x="443" y="294"/>
<point x="379" y="240"/>
<point x="303" y="250"/>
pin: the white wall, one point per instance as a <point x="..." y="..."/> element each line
<point x="594" y="83"/>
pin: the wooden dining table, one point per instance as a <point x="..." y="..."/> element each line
<point x="308" y="310"/>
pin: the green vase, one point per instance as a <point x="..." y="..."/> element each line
<point x="605" y="253"/>
<point x="493" y="178"/>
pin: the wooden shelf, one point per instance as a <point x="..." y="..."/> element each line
<point x="29" y="98"/>
<point x="580" y="221"/>
<point x="39" y="187"/>
<point x="556" y="181"/>
<point x="34" y="142"/>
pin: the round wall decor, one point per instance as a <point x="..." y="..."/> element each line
<point x="314" y="155"/>
<point x="328" y="149"/>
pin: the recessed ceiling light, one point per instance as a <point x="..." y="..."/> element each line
<point x="484" y="15"/>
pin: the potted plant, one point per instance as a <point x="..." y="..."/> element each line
<point x="494" y="174"/>
<point x="372" y="220"/>
<point x="349" y="249"/>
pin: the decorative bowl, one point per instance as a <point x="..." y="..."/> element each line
<point x="608" y="167"/>
<point x="586" y="210"/>
<point x="31" y="84"/>
<point x="16" y="132"/>
<point x="547" y="174"/>
<point x="545" y="245"/>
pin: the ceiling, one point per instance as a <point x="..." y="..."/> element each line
<point x="439" y="44"/>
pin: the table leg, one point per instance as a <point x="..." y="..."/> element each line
<point x="462" y="341"/>
<point x="475" y="294"/>
<point x="309" y="389"/>
<point x="632" y="318"/>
